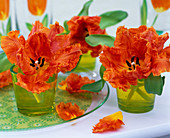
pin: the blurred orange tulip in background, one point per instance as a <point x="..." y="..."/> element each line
<point x="161" y="5"/>
<point x="4" y="9"/>
<point x="37" y="7"/>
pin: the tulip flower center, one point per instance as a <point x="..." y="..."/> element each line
<point x="132" y="64"/>
<point x="86" y="32"/>
<point x="38" y="63"/>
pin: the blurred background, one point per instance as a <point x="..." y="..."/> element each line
<point x="24" y="12"/>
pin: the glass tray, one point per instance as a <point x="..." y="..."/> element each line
<point x="11" y="119"/>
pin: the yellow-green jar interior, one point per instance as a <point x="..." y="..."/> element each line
<point x="33" y="104"/>
<point x="135" y="99"/>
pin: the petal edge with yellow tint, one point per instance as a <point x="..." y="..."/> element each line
<point x="109" y="123"/>
<point x="68" y="111"/>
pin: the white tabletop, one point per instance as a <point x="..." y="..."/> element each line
<point x="152" y="124"/>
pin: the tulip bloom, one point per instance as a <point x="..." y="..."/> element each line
<point x="137" y="53"/>
<point x="161" y="5"/>
<point x="82" y="26"/>
<point x="37" y="7"/>
<point x="41" y="55"/>
<point x="4" y="9"/>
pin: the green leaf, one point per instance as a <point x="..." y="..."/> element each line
<point x="154" y="84"/>
<point x="66" y="27"/>
<point x="3" y="29"/>
<point x="64" y="33"/>
<point x="4" y="62"/>
<point x="155" y="19"/>
<point x="76" y="65"/>
<point x="144" y="12"/>
<point x="0" y="38"/>
<point x="159" y="32"/>
<point x="99" y="39"/>
<point x="29" y="26"/>
<point x="8" y="28"/>
<point x="51" y="79"/>
<point x="102" y="69"/>
<point x="111" y="18"/>
<point x="45" y="20"/>
<point x="17" y="25"/>
<point x="85" y="10"/>
<point x="94" y="87"/>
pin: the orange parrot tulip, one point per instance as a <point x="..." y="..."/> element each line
<point x="82" y="26"/>
<point x="137" y="53"/>
<point x="41" y="55"/>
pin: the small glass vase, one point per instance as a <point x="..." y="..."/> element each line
<point x="87" y="63"/>
<point x="135" y="99"/>
<point x="33" y="104"/>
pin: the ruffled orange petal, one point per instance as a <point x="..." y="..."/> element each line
<point x="109" y="123"/>
<point x="53" y="31"/>
<point x="68" y="111"/>
<point x="121" y="80"/>
<point x="160" y="62"/>
<point x="5" y="78"/>
<point x="38" y="45"/>
<point x="31" y="84"/>
<point x="36" y="28"/>
<point x="67" y="58"/>
<point x="23" y="62"/>
<point x="161" y="5"/>
<point x="82" y="26"/>
<point x="11" y="44"/>
<point x="59" y="43"/>
<point x="74" y="82"/>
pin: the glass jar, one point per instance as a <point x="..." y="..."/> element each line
<point x="33" y="104"/>
<point x="135" y="99"/>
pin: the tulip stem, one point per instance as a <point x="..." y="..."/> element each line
<point x="139" y="91"/>
<point x="37" y="97"/>
<point x="143" y="95"/>
<point x="133" y="89"/>
<point x="154" y="21"/>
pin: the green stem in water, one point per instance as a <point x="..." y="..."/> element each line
<point x="143" y="95"/>
<point x="154" y="21"/>
<point x="139" y="91"/>
<point x="37" y="97"/>
<point x="133" y="89"/>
